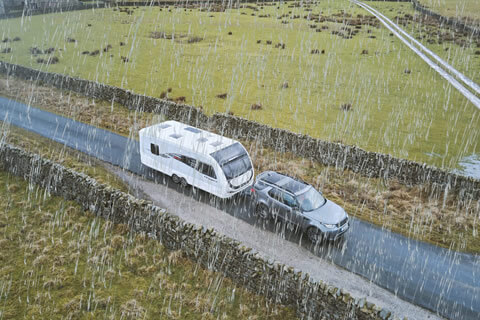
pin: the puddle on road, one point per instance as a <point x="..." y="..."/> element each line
<point x="470" y="166"/>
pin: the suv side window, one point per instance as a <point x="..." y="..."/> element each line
<point x="289" y="200"/>
<point x="276" y="194"/>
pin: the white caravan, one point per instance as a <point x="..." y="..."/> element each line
<point x="208" y="161"/>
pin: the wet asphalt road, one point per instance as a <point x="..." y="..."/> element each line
<point x="437" y="279"/>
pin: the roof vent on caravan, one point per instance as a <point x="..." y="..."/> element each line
<point x="164" y="126"/>
<point x="216" y="143"/>
<point x="194" y="130"/>
<point x="202" y="140"/>
<point x="175" y="135"/>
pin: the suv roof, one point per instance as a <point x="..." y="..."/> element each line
<point x="283" y="181"/>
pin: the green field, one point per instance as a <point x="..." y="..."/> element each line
<point x="395" y="103"/>
<point x="59" y="262"/>
<point x="455" y="8"/>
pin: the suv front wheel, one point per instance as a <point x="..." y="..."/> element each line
<point x="314" y="235"/>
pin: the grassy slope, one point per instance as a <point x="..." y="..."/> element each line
<point x="59" y="262"/>
<point x="409" y="211"/>
<point x="455" y="8"/>
<point x="416" y="116"/>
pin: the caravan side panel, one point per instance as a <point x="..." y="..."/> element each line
<point x="153" y="154"/>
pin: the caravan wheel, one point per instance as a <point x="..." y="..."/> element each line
<point x="183" y="183"/>
<point x="175" y="178"/>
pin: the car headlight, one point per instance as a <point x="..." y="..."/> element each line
<point x="329" y="226"/>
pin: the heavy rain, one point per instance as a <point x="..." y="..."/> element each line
<point x="211" y="122"/>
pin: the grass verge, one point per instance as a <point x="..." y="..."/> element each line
<point x="61" y="154"/>
<point x="59" y="262"/>
<point x="412" y="211"/>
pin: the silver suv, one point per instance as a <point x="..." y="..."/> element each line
<point x="279" y="196"/>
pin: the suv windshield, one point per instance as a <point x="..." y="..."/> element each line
<point x="233" y="159"/>
<point x="310" y="200"/>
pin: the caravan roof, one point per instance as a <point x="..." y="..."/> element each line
<point x="190" y="138"/>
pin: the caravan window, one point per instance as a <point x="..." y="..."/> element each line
<point x="187" y="160"/>
<point x="233" y="159"/>
<point x="206" y="169"/>
<point x="154" y="149"/>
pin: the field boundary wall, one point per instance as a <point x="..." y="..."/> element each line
<point x="454" y="22"/>
<point x="366" y="163"/>
<point x="275" y="281"/>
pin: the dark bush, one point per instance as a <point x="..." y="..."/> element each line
<point x="222" y="96"/>
<point x="85" y="52"/>
<point x="346" y="106"/>
<point x="163" y="95"/>
<point x="124" y="59"/>
<point x="181" y="99"/>
<point x="315" y="51"/>
<point x="35" y="51"/>
<point x="259" y="41"/>
<point x="407" y="71"/>
<point x="16" y="39"/>
<point x="71" y="40"/>
<point x="284" y="85"/>
<point x="49" y="50"/>
<point x="364" y="51"/>
<point x="122" y="44"/>
<point x="169" y="90"/>
<point x="269" y="41"/>
<point x="107" y="48"/>
<point x="6" y="50"/>
<point x="194" y="39"/>
<point x="230" y="33"/>
<point x="51" y="60"/>
<point x="95" y="53"/>
<point x="256" y="106"/>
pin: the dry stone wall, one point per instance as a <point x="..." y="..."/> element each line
<point x="454" y="22"/>
<point x="278" y="282"/>
<point x="370" y="164"/>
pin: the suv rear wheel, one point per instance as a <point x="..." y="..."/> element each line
<point x="314" y="235"/>
<point x="261" y="211"/>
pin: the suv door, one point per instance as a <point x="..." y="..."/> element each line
<point x="291" y="202"/>
<point x="276" y="203"/>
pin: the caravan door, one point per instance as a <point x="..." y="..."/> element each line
<point x="206" y="178"/>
